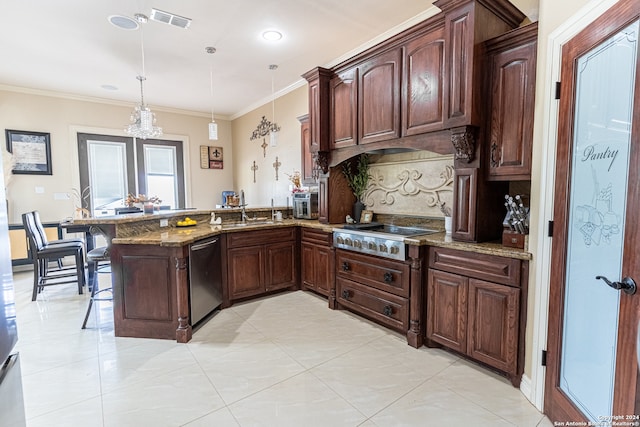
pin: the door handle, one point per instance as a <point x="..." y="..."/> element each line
<point x="627" y="284"/>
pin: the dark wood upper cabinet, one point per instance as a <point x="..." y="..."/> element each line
<point x="467" y="25"/>
<point x="318" y="80"/>
<point x="379" y="97"/>
<point x="308" y="151"/>
<point x="423" y="84"/>
<point x="344" y="109"/>
<point x="511" y="61"/>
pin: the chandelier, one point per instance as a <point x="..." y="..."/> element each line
<point x="143" y="120"/>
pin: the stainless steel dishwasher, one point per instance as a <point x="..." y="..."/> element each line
<point x="205" y="278"/>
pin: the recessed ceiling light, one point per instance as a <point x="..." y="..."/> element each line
<point x="109" y="87"/>
<point x="123" y="22"/>
<point x="272" y="35"/>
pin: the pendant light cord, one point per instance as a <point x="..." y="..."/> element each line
<point x="211" y="50"/>
<point x="211" y="78"/>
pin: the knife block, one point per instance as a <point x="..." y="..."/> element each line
<point x="513" y="239"/>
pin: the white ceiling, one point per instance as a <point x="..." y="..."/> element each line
<point x="69" y="46"/>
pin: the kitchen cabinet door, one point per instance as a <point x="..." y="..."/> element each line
<point x="494" y="311"/>
<point x="512" y="63"/>
<point x="423" y="84"/>
<point x="308" y="151"/>
<point x="280" y="265"/>
<point x="447" y="309"/>
<point x="316" y="268"/>
<point x="308" y="266"/>
<point x="344" y="109"/>
<point x="245" y="271"/>
<point x="323" y="269"/>
<point x="379" y="97"/>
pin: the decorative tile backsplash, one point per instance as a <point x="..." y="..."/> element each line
<point x="410" y="183"/>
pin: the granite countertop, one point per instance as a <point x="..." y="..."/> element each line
<point x="490" y="248"/>
<point x="180" y="236"/>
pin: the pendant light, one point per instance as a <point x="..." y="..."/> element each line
<point x="142" y="118"/>
<point x="273" y="131"/>
<point x="213" y="126"/>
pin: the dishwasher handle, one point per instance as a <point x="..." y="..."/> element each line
<point x="204" y="245"/>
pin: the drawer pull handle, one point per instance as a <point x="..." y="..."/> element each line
<point x="387" y="310"/>
<point x="345" y="293"/>
<point x="346" y="266"/>
<point x="388" y="277"/>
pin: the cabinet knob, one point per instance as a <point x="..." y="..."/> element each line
<point x="388" y="277"/>
<point x="346" y="266"/>
<point x="345" y="293"/>
<point x="387" y="310"/>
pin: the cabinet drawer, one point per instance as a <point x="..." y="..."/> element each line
<point x="480" y="266"/>
<point x="258" y="237"/>
<point x="380" y="273"/>
<point x="318" y="237"/>
<point x="388" y="309"/>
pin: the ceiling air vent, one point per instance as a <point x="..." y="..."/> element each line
<point x="170" y="18"/>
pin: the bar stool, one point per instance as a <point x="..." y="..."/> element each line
<point x="42" y="254"/>
<point x="96" y="257"/>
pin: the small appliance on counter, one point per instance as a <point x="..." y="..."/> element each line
<point x="230" y="199"/>
<point x="305" y="205"/>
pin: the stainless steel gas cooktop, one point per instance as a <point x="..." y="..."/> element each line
<point x="382" y="240"/>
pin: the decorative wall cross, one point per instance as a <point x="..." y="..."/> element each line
<point x="254" y="168"/>
<point x="277" y="165"/>
<point x="265" y="127"/>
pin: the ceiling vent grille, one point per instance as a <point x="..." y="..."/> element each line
<point x="170" y="18"/>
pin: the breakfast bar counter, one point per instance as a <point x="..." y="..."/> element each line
<point x="150" y="260"/>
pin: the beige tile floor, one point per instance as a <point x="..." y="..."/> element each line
<point x="285" y="360"/>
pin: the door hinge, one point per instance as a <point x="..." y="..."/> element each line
<point x="550" y="229"/>
<point x="543" y="362"/>
<point x="557" y="90"/>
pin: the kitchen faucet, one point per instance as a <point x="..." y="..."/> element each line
<point x="242" y="205"/>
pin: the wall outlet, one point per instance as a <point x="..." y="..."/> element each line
<point x="61" y="196"/>
<point x="39" y="190"/>
<point x="164" y="223"/>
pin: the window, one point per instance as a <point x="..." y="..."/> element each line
<point x="113" y="167"/>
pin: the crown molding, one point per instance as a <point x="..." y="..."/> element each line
<point x="105" y="101"/>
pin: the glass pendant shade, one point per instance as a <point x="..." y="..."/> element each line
<point x="273" y="138"/>
<point x="213" y="131"/>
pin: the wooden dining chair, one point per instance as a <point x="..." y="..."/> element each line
<point x="42" y="254"/>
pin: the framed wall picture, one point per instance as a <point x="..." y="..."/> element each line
<point x="31" y="152"/>
<point x="211" y="157"/>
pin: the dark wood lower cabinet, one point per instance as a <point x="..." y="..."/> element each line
<point x="260" y="261"/>
<point x="481" y="319"/>
<point x="377" y="288"/>
<point x="316" y="263"/>
<point x="447" y="309"/>
<point x="493" y="324"/>
<point x="150" y="294"/>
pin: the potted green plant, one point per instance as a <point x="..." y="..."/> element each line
<point x="358" y="181"/>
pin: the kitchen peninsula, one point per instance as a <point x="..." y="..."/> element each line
<point x="151" y="279"/>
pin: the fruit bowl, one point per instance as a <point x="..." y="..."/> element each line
<point x="187" y="222"/>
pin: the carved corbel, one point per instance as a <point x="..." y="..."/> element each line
<point x="322" y="161"/>
<point x="464" y="142"/>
